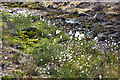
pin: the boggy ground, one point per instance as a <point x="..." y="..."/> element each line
<point x="99" y="21"/>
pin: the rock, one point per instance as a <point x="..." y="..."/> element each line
<point x="117" y="27"/>
<point x="83" y="5"/>
<point x="98" y="6"/>
<point x="78" y="10"/>
<point x="108" y="26"/>
<point x="100" y="16"/>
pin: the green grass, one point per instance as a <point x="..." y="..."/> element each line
<point x="64" y="58"/>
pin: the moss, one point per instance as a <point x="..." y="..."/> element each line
<point x="51" y="18"/>
<point x="14" y="5"/>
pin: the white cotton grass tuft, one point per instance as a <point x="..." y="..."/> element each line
<point x="77" y="34"/>
<point x="49" y="22"/>
<point x="80" y="36"/>
<point x="58" y="31"/>
<point x="61" y="37"/>
<point x="41" y="59"/>
<point x="81" y="43"/>
<point x="96" y="38"/>
<point x="80" y="67"/>
<point x="54" y="24"/>
<point x="82" y="55"/>
<point x="43" y="20"/>
<point x="5" y="57"/>
<point x="70" y="32"/>
<point x="82" y="71"/>
<point x="50" y="35"/>
<point x="71" y="37"/>
<point x="100" y="76"/>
